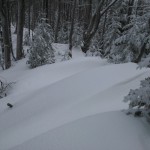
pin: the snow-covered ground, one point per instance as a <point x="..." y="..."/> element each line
<point x="72" y="105"/>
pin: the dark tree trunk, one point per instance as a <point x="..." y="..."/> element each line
<point x="6" y="35"/>
<point x="10" y="36"/>
<point x="104" y="27"/>
<point x="72" y="28"/>
<point x="88" y="14"/>
<point x="21" y="11"/>
<point x="46" y="10"/>
<point x="141" y="53"/>
<point x="94" y="23"/>
<point x="29" y="17"/>
<point x="57" y="20"/>
<point x="16" y="18"/>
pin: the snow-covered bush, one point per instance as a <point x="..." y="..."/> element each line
<point x="4" y="87"/>
<point x="65" y="56"/>
<point x="140" y="98"/>
<point x="41" y="51"/>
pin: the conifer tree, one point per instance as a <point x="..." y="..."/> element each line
<point x="41" y="51"/>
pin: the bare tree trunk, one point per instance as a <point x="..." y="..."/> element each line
<point x="94" y="23"/>
<point x="57" y="20"/>
<point x="46" y="10"/>
<point x="104" y="27"/>
<point x="33" y="21"/>
<point x="29" y="17"/>
<point x="72" y="28"/>
<point x="9" y="24"/>
<point x="88" y="14"/>
<point x="16" y="17"/>
<point x="6" y="34"/>
<point x="19" y="51"/>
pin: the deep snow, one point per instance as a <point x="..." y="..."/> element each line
<point x="72" y="105"/>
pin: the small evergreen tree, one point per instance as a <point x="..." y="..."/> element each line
<point x="4" y="87"/>
<point x="41" y="51"/>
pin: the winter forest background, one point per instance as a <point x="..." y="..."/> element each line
<point x="117" y="30"/>
<point x="114" y="30"/>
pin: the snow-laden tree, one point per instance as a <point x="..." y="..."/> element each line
<point x="139" y="99"/>
<point x="41" y="51"/>
<point x="128" y="35"/>
<point x="95" y="48"/>
<point x="4" y="87"/>
<point x="138" y="43"/>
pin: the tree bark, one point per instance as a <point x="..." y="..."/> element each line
<point x="21" y="11"/>
<point x="88" y="14"/>
<point x="72" y="28"/>
<point x="10" y="36"/>
<point x="57" y="21"/>
<point x="5" y="33"/>
<point x="16" y="17"/>
<point x="29" y="16"/>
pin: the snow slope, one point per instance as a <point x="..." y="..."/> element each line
<point x="72" y="105"/>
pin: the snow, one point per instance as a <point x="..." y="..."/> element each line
<point x="72" y="105"/>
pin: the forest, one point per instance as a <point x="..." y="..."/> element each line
<point x="117" y="30"/>
<point x="67" y="65"/>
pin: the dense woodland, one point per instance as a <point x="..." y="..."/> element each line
<point x="118" y="30"/>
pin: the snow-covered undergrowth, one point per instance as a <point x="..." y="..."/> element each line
<point x="72" y="105"/>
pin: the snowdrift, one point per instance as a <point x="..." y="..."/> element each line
<point x="72" y="105"/>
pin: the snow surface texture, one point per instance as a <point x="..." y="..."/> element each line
<point x="72" y="105"/>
